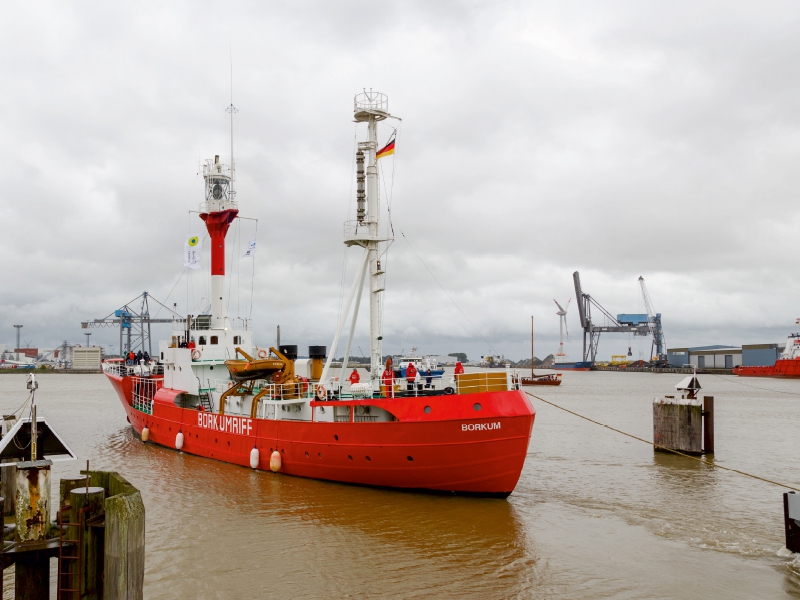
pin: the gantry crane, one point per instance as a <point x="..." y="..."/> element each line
<point x="592" y="331"/>
<point x="135" y="324"/>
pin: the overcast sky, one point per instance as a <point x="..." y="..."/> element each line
<point x="616" y="139"/>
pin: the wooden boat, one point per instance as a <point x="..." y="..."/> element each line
<point x="553" y="379"/>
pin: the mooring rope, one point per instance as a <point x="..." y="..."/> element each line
<point x="659" y="446"/>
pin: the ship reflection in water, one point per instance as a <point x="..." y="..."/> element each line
<point x="592" y="516"/>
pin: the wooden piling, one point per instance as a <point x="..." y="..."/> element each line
<point x="791" y="514"/>
<point x="708" y="424"/>
<point x="677" y="425"/>
<point x="69" y="484"/>
<point x="85" y="504"/>
<point x="124" y="537"/>
<point x="8" y="487"/>
<point x="32" y="576"/>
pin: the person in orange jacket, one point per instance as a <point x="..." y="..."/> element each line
<point x="354" y="377"/>
<point x="387" y="382"/>
<point x="411" y="375"/>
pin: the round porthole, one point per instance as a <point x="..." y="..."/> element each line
<point x="349" y="457"/>
<point x="427" y="409"/>
<point x="368" y="459"/>
<point x="319" y="454"/>
<point x="410" y="458"/>
<point x="476" y="406"/>
<point x="336" y="437"/>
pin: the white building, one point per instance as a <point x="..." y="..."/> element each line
<point x="86" y="358"/>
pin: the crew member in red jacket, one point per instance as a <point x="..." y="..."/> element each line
<point x="411" y="375"/>
<point x="387" y="380"/>
<point x="354" y="377"/>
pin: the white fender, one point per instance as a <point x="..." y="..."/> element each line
<point x="275" y="461"/>
<point x="145" y="434"/>
<point x="179" y="440"/>
<point x="254" y="458"/>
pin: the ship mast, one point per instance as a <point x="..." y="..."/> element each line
<point x="366" y="231"/>
<point x="218" y="211"/>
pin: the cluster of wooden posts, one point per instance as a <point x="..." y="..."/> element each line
<point x="96" y="534"/>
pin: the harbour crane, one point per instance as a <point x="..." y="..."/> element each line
<point x="654" y="322"/>
<point x="135" y="324"/>
<point x="637" y="325"/>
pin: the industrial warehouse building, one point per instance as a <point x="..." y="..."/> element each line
<point x="760" y="355"/>
<point x="706" y="357"/>
<point x="725" y="357"/>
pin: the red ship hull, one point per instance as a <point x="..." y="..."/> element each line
<point x="781" y="368"/>
<point x="448" y="449"/>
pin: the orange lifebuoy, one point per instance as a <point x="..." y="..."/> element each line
<point x="196" y="354"/>
<point x="322" y="394"/>
<point x="262" y="353"/>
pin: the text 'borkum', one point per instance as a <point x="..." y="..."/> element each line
<point x="479" y="426"/>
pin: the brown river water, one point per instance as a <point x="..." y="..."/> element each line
<point x="595" y="514"/>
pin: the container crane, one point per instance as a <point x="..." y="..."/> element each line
<point x="635" y="324"/>
<point x="135" y="324"/>
<point x="654" y="322"/>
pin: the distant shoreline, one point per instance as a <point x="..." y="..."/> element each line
<point x="50" y="371"/>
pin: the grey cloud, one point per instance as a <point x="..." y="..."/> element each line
<point x="621" y="139"/>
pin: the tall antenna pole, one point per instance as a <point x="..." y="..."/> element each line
<point x="533" y="359"/>
<point x="16" y="350"/>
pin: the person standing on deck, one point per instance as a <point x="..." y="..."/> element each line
<point x="411" y="375"/>
<point x="387" y="379"/>
<point x="354" y="377"/>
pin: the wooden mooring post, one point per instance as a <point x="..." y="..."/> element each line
<point x="708" y="424"/>
<point x="678" y="425"/>
<point x="101" y="548"/>
<point x="791" y="520"/>
<point x="681" y="423"/>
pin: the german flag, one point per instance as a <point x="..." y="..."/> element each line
<point x="387" y="149"/>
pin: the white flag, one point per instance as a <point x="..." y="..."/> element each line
<point x="251" y="250"/>
<point x="193" y="251"/>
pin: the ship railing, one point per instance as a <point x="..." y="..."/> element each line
<point x="422" y="385"/>
<point x="139" y="369"/>
<point x="143" y="389"/>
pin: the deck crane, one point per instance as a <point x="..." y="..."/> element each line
<point x="135" y="324"/>
<point x="612" y="325"/>
<point x="654" y="322"/>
